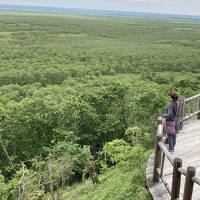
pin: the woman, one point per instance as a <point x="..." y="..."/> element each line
<point x="171" y="117"/>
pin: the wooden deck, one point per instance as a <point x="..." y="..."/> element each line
<point x="188" y="149"/>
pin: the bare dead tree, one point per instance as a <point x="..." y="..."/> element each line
<point x="7" y="155"/>
<point x="59" y="195"/>
<point x="22" y="183"/>
<point x="51" y="185"/>
<point x="92" y="172"/>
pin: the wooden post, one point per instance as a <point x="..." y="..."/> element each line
<point x="179" y="120"/>
<point x="198" y="116"/>
<point x="182" y="113"/>
<point x="176" y="181"/>
<point x="160" y="120"/>
<point x="162" y="164"/>
<point x="157" y="159"/>
<point x="188" y="190"/>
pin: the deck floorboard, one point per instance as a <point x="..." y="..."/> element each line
<point x="188" y="149"/>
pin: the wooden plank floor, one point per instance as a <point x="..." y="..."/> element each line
<point x="188" y="149"/>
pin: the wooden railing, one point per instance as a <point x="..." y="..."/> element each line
<point x="188" y="108"/>
<point x="191" y="107"/>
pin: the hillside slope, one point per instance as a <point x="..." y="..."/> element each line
<point x="124" y="181"/>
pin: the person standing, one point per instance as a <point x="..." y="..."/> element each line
<point x="171" y="117"/>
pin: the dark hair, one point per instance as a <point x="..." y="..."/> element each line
<point x="174" y="95"/>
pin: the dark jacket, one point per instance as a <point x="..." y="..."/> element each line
<point x="171" y="113"/>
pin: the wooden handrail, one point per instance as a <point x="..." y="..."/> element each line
<point x="193" y="97"/>
<point x="177" y="172"/>
<point x="182" y="171"/>
<point x="191" y="115"/>
<point x="191" y="107"/>
<point x="166" y="152"/>
<point x="196" y="180"/>
<point x="158" y="168"/>
<point x="161" y="153"/>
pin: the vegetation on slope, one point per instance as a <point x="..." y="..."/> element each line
<point x="125" y="180"/>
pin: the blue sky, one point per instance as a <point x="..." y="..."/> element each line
<point x="191" y="7"/>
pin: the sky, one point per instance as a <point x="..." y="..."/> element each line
<point x="188" y="7"/>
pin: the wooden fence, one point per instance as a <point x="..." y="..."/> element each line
<point x="188" y="108"/>
<point x="191" y="107"/>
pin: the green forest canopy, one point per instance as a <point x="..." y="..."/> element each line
<point x="68" y="82"/>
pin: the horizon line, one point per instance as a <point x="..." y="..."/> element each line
<point x="96" y="9"/>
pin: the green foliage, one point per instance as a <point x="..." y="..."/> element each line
<point x="125" y="181"/>
<point x="87" y="80"/>
<point x="116" y="150"/>
<point x="3" y="188"/>
<point x="132" y="134"/>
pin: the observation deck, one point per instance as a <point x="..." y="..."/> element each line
<point x="176" y="176"/>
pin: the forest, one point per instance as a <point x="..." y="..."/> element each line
<point x="79" y="99"/>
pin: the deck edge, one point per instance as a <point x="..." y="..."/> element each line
<point x="157" y="190"/>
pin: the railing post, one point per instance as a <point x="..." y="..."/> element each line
<point x="176" y="181"/>
<point x="162" y="164"/>
<point x="157" y="159"/>
<point x="182" y="113"/>
<point x="198" y="116"/>
<point x="188" y="190"/>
